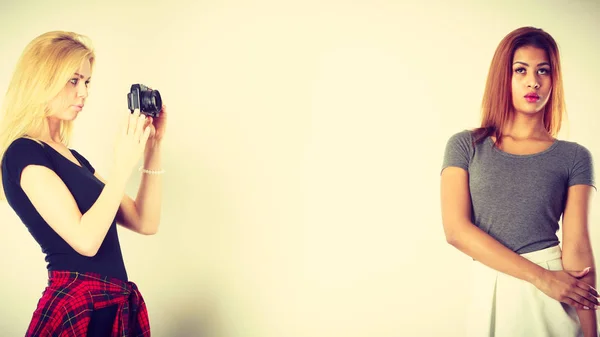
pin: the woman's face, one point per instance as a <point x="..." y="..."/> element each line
<point x="70" y="101"/>
<point x="531" y="80"/>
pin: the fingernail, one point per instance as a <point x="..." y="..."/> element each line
<point x="586" y="308"/>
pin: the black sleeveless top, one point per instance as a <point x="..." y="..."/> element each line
<point x="84" y="187"/>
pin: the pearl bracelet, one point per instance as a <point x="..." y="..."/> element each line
<point x="143" y="170"/>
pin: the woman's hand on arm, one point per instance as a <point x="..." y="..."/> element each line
<point x="577" y="248"/>
<point x="468" y="238"/>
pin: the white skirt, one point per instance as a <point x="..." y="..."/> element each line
<point x="505" y="306"/>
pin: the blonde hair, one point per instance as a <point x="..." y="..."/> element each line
<point x="44" y="68"/>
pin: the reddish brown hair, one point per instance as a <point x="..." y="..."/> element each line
<point x="496" y="107"/>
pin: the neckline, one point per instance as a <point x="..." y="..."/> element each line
<point x="78" y="164"/>
<point x="512" y="155"/>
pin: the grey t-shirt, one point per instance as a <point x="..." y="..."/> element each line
<point x="519" y="199"/>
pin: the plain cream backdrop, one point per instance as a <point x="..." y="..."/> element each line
<point x="305" y="140"/>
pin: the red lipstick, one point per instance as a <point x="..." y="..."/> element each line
<point x="532" y="97"/>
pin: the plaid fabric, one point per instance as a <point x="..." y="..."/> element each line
<point x="67" y="303"/>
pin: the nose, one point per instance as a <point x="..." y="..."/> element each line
<point x="533" y="82"/>
<point x="82" y="91"/>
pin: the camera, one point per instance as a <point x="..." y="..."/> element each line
<point x="147" y="100"/>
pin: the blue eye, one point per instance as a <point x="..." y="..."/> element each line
<point x="520" y="70"/>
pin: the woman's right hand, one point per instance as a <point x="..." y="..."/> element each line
<point x="130" y="143"/>
<point x="566" y="287"/>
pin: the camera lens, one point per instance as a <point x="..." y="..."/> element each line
<point x="150" y="101"/>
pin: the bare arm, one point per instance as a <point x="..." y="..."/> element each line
<point x="577" y="247"/>
<point x="55" y="203"/>
<point x="468" y="238"/>
<point x="143" y="215"/>
<point x="149" y="196"/>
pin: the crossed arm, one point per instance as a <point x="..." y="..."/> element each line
<point x="577" y="253"/>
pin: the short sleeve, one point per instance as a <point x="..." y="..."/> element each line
<point x="83" y="161"/>
<point x="21" y="153"/>
<point x="459" y="150"/>
<point x="582" y="171"/>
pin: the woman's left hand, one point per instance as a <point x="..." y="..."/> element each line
<point x="157" y="126"/>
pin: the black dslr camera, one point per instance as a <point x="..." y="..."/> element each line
<point x="143" y="98"/>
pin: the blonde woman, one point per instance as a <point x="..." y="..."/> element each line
<point x="69" y="209"/>
<point x="504" y="188"/>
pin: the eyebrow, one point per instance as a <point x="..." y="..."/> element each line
<point x="82" y="77"/>
<point x="539" y="64"/>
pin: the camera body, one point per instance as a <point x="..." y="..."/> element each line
<point x="148" y="101"/>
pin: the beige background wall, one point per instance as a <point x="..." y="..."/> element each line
<point x="304" y="146"/>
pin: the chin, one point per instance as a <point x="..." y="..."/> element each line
<point x="530" y="111"/>
<point x="71" y="118"/>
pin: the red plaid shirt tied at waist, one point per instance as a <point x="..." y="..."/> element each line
<point x="67" y="303"/>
